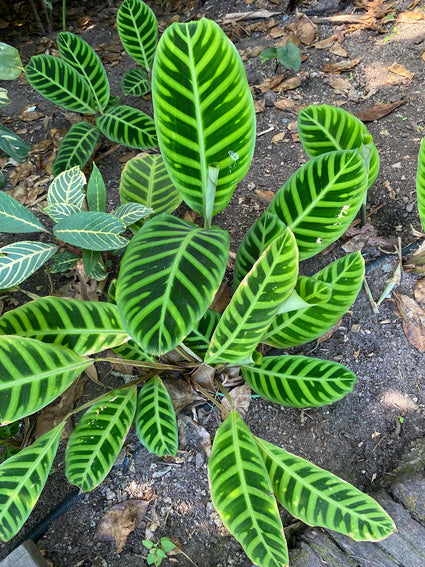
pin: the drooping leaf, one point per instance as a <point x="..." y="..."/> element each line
<point x="135" y="82"/>
<point x="307" y="292"/>
<point x="14" y="217"/>
<point x="12" y="144"/>
<point x="22" y="478"/>
<point x="168" y="278"/>
<point x="242" y="494"/>
<point x="60" y="83"/>
<point x="66" y="188"/>
<point x="131" y="213"/>
<point x="198" y="340"/>
<point x="33" y="374"/>
<point x="319" y="498"/>
<point x="420" y="184"/>
<point x="204" y="112"/>
<point x="18" y="261"/>
<point x="63" y="261"/>
<point x="95" y="443"/>
<point x="10" y="62"/>
<point x="128" y="126"/>
<point x="96" y="191"/>
<point x="76" y="147"/>
<point x="138" y="30"/>
<point x="156" y="424"/>
<point x="91" y="259"/>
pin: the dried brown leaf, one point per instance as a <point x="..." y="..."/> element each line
<point x="259" y="105"/>
<point x="329" y="333"/>
<point x="278" y="32"/>
<point x="253" y="15"/>
<point x="420" y="291"/>
<point x="410" y="17"/>
<point x="29" y="113"/>
<point x="401" y="70"/>
<point x="339" y="66"/>
<point x="289" y="105"/>
<point x="325" y="43"/>
<point x="289" y="84"/>
<point x="221" y="298"/>
<point x="305" y="30"/>
<point x="265" y="196"/>
<point x="20" y="172"/>
<point x="204" y="376"/>
<point x="413" y="317"/>
<point x="192" y="433"/>
<point x="341" y="85"/>
<point x="377" y="111"/>
<point x="390" y="189"/>
<point x="278" y="137"/>
<point x="241" y="398"/>
<point x="337" y="49"/>
<point x="120" y="521"/>
<point x="182" y="394"/>
<point x="271" y="84"/>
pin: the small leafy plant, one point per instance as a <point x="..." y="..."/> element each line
<point x="288" y="55"/>
<point x="169" y="275"/>
<point x="157" y="551"/>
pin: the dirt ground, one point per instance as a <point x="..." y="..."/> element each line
<point x="361" y="437"/>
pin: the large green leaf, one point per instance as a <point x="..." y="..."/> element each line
<point x="308" y="291"/>
<point x="67" y="187"/>
<point x="145" y="180"/>
<point x="320" y="200"/>
<point x="128" y="126"/>
<point x="12" y="144"/>
<point x="138" y="31"/>
<point x="243" y="496"/>
<point x="18" y="261"/>
<point x="303" y="325"/>
<point x="86" y="327"/>
<point x="85" y="60"/>
<point x="135" y="82"/>
<point x="131" y="351"/>
<point x="14" y="217"/>
<point x="76" y="147"/>
<point x="95" y="443"/>
<point x="319" y="498"/>
<point x="299" y="381"/>
<point x="156" y="424"/>
<point x="168" y="278"/>
<point x="92" y="230"/>
<point x="255" y="302"/>
<point x="327" y="128"/>
<point x="204" y="112"/>
<point x="60" y="83"/>
<point x="33" y="374"/>
<point x="22" y="478"/>
<point x="10" y="62"/>
<point x="420" y="184"/>
<point x="198" y="340"/>
<point x="96" y="191"/>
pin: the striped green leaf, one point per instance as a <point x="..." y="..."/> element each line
<point x="138" y="31"/>
<point x="33" y="374"/>
<point x="327" y="128"/>
<point x="18" y="261"/>
<point x="85" y="327"/>
<point x="198" y="340"/>
<point x="59" y="211"/>
<point x="63" y="261"/>
<point x="95" y="443"/>
<point x="145" y="180"/>
<point x="307" y="292"/>
<point x="168" y="278"/>
<point x="319" y="498"/>
<point x="128" y="126"/>
<point x="67" y="187"/>
<point x="156" y="423"/>
<point x="60" y="83"/>
<point x="96" y="191"/>
<point x="22" y="478"/>
<point x="91" y="230"/>
<point x="13" y="145"/>
<point x="204" y="112"/>
<point x="303" y="325"/>
<point x="135" y="82"/>
<point x="14" y="217"/>
<point x="91" y="260"/>
<point x="299" y="381"/>
<point x="242" y="494"/>
<point x="131" y="351"/>
<point x="420" y="184"/>
<point x="131" y="213"/>
<point x="320" y="200"/>
<point x="78" y="53"/>
<point x="4" y="99"/>
<point x="10" y="62"/>
<point x="76" y="147"/>
<point x="255" y="302"/>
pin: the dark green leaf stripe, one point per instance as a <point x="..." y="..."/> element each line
<point x="242" y="494"/>
<point x="33" y="374"/>
<point x="60" y="83"/>
<point x="156" y="423"/>
<point x="204" y="111"/>
<point x="85" y="60"/>
<point x="199" y="339"/>
<point x="299" y="381"/>
<point x="255" y="302"/>
<point x="327" y="128"/>
<point x="138" y="31"/>
<point x="320" y="200"/>
<point x="303" y="325"/>
<point x="18" y="261"/>
<point x="128" y="126"/>
<point x="420" y="184"/>
<point x="319" y="498"/>
<point x="145" y="180"/>
<point x="76" y="147"/>
<point x="131" y="351"/>
<point x="168" y="278"/>
<point x="86" y="327"/>
<point x="22" y="478"/>
<point x="98" y="438"/>
<point x="313" y="290"/>
<point x="14" y="217"/>
<point x="135" y="82"/>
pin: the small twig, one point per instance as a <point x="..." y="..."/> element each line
<point x="369" y="296"/>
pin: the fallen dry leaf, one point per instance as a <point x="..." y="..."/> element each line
<point x="278" y="32"/>
<point x="204" y="376"/>
<point x="325" y="43"/>
<point x="259" y="105"/>
<point x="289" y="84"/>
<point x="271" y="84"/>
<point x="241" y="398"/>
<point x="289" y="105"/>
<point x="192" y="433"/>
<point x="340" y="85"/>
<point x="120" y="521"/>
<point x="377" y="111"/>
<point x="339" y="66"/>
<point x="182" y="394"/>
<point x="390" y="189"/>
<point x="20" y="172"/>
<point x="398" y="69"/>
<point x="409" y="17"/>
<point x="221" y="298"/>
<point x="278" y="137"/>
<point x="29" y="113"/>
<point x="265" y="196"/>
<point x="329" y="333"/>
<point x="337" y="49"/>
<point x="190" y="216"/>
<point x="253" y="15"/>
<point x="305" y="30"/>
<point x="413" y="317"/>
<point x="420" y="291"/>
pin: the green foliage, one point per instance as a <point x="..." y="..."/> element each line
<point x="288" y="55"/>
<point x="157" y="551"/>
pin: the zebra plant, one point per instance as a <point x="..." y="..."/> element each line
<point x="160" y="302"/>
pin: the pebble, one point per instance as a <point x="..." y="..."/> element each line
<point x="409" y="208"/>
<point x="270" y="98"/>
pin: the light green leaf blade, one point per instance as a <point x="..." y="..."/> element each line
<point x="307" y="292"/>
<point x="14" y="217"/>
<point x="96" y="191"/>
<point x="303" y="325"/>
<point x="131" y="351"/>
<point x="135" y="82"/>
<point x="13" y="145"/>
<point x="128" y="126"/>
<point x="18" y="261"/>
<point x="168" y="278"/>
<point x="242" y="494"/>
<point x="60" y="83"/>
<point x="91" y="230"/>
<point x="420" y="183"/>
<point x="10" y="62"/>
<point x="156" y="423"/>
<point x="22" y="478"/>
<point x="85" y="60"/>
<point x="130" y="213"/>
<point x="255" y="302"/>
<point x="95" y="443"/>
<point x="76" y="147"/>
<point x="4" y="99"/>
<point x="67" y="187"/>
<point x="204" y="111"/>
<point x="138" y="30"/>
<point x="33" y="374"/>
<point x="299" y="381"/>
<point x="59" y="211"/>
<point x="319" y="498"/>
<point x="198" y="340"/>
<point x="320" y="200"/>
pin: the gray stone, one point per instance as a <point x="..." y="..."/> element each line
<point x="326" y="549"/>
<point x="270" y="98"/>
<point x="304" y="556"/>
<point x="365" y="554"/>
<point x="410" y="491"/>
<point x="26" y="555"/>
